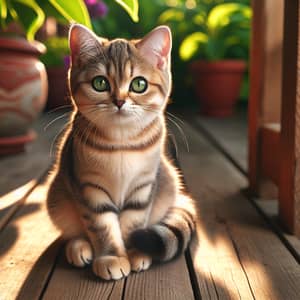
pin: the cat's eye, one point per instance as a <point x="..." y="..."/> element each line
<point x="138" y="85"/>
<point x="100" y="84"/>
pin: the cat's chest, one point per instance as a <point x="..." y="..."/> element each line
<point x="119" y="172"/>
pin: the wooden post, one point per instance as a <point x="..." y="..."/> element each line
<point x="289" y="185"/>
<point x="265" y="93"/>
<point x="256" y="91"/>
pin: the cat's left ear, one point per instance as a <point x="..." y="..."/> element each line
<point x="156" y="47"/>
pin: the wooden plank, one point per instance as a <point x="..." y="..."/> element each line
<point x="28" y="240"/>
<point x="289" y="189"/>
<point x="166" y="281"/>
<point x="229" y="133"/>
<point x="20" y="169"/>
<point x="270" y="151"/>
<point x="23" y="241"/>
<point x="257" y="60"/>
<point x="72" y="283"/>
<point x="242" y="265"/>
<point x="23" y="170"/>
<point x="271" y="99"/>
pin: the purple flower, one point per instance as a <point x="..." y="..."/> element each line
<point x="90" y="2"/>
<point x="97" y="9"/>
<point x="67" y="61"/>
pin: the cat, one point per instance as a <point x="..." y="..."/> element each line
<point x="115" y="195"/>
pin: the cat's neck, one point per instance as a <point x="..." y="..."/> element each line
<point x="118" y="134"/>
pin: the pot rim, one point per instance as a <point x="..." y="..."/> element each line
<point x="20" y="44"/>
<point x="225" y="65"/>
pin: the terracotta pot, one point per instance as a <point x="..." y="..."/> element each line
<point x="23" y="90"/>
<point x="57" y="95"/>
<point x="218" y="85"/>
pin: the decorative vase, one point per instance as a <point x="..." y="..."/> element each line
<point x="23" y="91"/>
<point x="218" y="85"/>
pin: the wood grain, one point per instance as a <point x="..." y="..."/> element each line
<point x="167" y="281"/>
<point x="23" y="241"/>
<point x="23" y="171"/>
<point x="234" y="252"/>
<point x="257" y="60"/>
<point x="289" y="193"/>
<point x="72" y="283"/>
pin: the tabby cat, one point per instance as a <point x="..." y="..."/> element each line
<point x="115" y="196"/>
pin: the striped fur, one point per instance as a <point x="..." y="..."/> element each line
<point x="114" y="194"/>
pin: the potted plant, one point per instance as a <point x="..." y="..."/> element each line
<point x="219" y="51"/>
<point x="23" y="79"/>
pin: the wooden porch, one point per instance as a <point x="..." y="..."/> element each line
<point x="237" y="254"/>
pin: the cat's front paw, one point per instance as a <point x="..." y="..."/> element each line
<point x="139" y="261"/>
<point x="111" y="267"/>
<point x="79" y="252"/>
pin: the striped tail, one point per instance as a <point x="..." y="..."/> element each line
<point x="167" y="239"/>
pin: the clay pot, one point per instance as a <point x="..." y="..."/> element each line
<point x="23" y="91"/>
<point x="217" y="85"/>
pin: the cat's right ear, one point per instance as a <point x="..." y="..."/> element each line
<point x="83" y="43"/>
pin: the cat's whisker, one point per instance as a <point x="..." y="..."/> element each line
<point x="181" y="132"/>
<point x="175" y="117"/>
<point x="56" y="119"/>
<point x="59" y="108"/>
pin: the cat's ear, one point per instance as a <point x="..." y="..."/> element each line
<point x="156" y="46"/>
<point x="83" y="43"/>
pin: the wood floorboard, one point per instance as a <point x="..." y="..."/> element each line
<point x="167" y="281"/>
<point x="238" y="255"/>
<point x="25" y="257"/>
<point x="229" y="137"/>
<point x="69" y="283"/>
<point x="23" y="171"/>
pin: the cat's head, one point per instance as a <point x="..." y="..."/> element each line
<point x="120" y="82"/>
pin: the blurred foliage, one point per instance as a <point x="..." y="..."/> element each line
<point x="31" y="14"/>
<point x="222" y="32"/>
<point x="57" y="50"/>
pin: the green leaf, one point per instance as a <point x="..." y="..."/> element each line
<point x="30" y="15"/>
<point x="220" y="15"/>
<point x="171" y="15"/>
<point x="3" y="12"/>
<point x="132" y="8"/>
<point x="192" y="44"/>
<point x="74" y="10"/>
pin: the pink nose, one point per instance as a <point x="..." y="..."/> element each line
<point x="119" y="103"/>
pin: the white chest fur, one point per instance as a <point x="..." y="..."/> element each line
<point x="118" y="172"/>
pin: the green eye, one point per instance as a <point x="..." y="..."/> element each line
<point x="138" y="85"/>
<point x="100" y="84"/>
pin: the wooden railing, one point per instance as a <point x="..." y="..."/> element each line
<point x="274" y="105"/>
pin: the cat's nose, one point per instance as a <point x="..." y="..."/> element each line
<point x="119" y="103"/>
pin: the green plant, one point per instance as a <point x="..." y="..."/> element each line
<point x="224" y="32"/>
<point x="32" y="13"/>
<point x="57" y="50"/>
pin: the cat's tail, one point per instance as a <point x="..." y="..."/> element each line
<point x="170" y="237"/>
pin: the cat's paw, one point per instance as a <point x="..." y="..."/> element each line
<point x="139" y="261"/>
<point x="111" y="267"/>
<point x="79" y="252"/>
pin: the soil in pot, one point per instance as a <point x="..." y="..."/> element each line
<point x="217" y="85"/>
